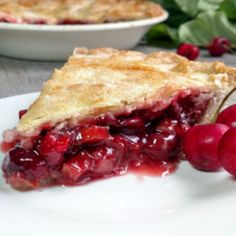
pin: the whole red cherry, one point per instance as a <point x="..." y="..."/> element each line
<point x="228" y="116"/>
<point x="188" y="50"/>
<point x="201" y="146"/>
<point x="227" y="151"/>
<point x="219" y="46"/>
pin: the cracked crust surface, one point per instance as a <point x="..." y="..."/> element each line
<point x="99" y="81"/>
<point x="86" y="11"/>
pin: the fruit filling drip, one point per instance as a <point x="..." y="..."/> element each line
<point x="104" y="146"/>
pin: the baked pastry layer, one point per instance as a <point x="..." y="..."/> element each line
<point x="105" y="80"/>
<point x="76" y="11"/>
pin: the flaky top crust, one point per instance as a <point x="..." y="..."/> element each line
<point x="86" y="11"/>
<point x="105" y="80"/>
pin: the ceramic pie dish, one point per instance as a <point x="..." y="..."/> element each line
<point x="46" y="42"/>
<point x="29" y="30"/>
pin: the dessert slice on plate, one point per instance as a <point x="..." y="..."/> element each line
<point x="107" y="112"/>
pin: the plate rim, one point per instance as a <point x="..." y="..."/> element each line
<point x="87" y="27"/>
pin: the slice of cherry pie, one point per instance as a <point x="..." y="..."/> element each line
<point x="107" y="112"/>
<point x="76" y="11"/>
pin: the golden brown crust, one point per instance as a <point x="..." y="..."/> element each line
<point x="87" y="11"/>
<point x="98" y="81"/>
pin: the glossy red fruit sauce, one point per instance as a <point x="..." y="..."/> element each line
<point x="73" y="22"/>
<point x="145" y="141"/>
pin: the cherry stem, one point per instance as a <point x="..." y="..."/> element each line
<point x="228" y="49"/>
<point x="214" y="117"/>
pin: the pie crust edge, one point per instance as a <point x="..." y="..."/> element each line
<point x="107" y="80"/>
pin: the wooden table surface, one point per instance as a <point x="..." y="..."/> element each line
<point x="21" y="76"/>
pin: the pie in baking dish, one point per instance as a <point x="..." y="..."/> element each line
<point x="76" y="11"/>
<point x="106" y="112"/>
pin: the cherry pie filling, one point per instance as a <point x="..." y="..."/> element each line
<point x="104" y="146"/>
<point x="42" y="21"/>
<point x="66" y="21"/>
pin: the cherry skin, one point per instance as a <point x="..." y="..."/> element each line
<point x="227" y="151"/>
<point x="126" y="144"/>
<point x="25" y="161"/>
<point x="188" y="50"/>
<point x="73" y="22"/>
<point x="53" y="146"/>
<point x="228" y="116"/>
<point x="160" y="146"/>
<point x="105" y="160"/>
<point x="37" y="22"/>
<point x="219" y="46"/>
<point x="167" y="126"/>
<point x="132" y="125"/>
<point x="200" y="146"/>
<point x="93" y="134"/>
<point x="22" y="112"/>
<point x="78" y="166"/>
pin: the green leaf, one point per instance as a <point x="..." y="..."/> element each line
<point x="162" y="30"/>
<point x="179" y="6"/>
<point x="188" y="7"/>
<point x="229" y="7"/>
<point x="177" y="18"/>
<point x="206" y="26"/>
<point x="176" y="15"/>
<point x="167" y="4"/>
<point x="209" y="5"/>
<point x="162" y="34"/>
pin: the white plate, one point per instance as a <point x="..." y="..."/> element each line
<point x="56" y="42"/>
<point x="189" y="202"/>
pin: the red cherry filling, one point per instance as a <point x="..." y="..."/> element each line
<point x="73" y="22"/>
<point x="131" y="125"/>
<point x="94" y="134"/>
<point x="27" y="162"/>
<point x="52" y="147"/>
<point x="107" y="145"/>
<point x="105" y="159"/>
<point x="35" y="21"/>
<point x="8" y="19"/>
<point x="22" y="112"/>
<point x="160" y="146"/>
<point x="78" y="166"/>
